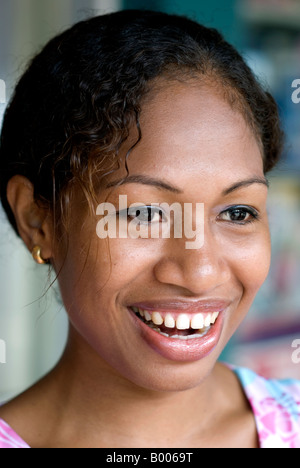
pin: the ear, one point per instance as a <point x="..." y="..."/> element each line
<point x="34" y="223"/>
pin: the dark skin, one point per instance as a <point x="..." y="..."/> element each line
<point x="111" y="389"/>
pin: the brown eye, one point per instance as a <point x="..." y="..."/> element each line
<point x="239" y="215"/>
<point x="146" y="215"/>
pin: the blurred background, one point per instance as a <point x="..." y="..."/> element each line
<point x="33" y="324"/>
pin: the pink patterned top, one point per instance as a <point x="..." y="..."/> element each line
<point x="276" y="408"/>
<point x="275" y="404"/>
<point x="9" y="439"/>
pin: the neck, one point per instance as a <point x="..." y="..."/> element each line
<point x="109" y="407"/>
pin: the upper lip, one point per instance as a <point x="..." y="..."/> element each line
<point x="205" y="305"/>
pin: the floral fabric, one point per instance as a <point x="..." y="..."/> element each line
<point x="9" y="439"/>
<point x="276" y="407"/>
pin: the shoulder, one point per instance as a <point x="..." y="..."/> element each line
<point x="276" y="407"/>
<point x="285" y="392"/>
<point x="23" y="418"/>
<point x="13" y="421"/>
<point x="8" y="437"/>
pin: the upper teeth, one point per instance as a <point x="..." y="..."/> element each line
<point x="181" y="321"/>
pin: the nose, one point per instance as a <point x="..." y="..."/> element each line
<point x="200" y="271"/>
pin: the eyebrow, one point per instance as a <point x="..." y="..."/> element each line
<point x="145" y="180"/>
<point x="246" y="183"/>
<point x="160" y="184"/>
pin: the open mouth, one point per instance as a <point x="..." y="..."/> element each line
<point x="182" y="326"/>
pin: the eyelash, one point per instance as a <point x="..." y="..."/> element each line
<point x="135" y="214"/>
<point x="241" y="209"/>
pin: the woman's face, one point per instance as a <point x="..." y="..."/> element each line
<point x="194" y="142"/>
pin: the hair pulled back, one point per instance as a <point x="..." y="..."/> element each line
<point x="73" y="107"/>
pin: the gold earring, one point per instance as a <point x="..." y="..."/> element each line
<point x="36" y="254"/>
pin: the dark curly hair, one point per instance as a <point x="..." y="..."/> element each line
<point x="74" y="106"/>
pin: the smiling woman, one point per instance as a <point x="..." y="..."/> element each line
<point x="164" y="112"/>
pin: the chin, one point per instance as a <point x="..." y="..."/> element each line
<point x="171" y="377"/>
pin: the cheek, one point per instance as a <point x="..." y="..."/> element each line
<point x="255" y="264"/>
<point x="250" y="264"/>
<point x="250" y="268"/>
<point x="97" y="274"/>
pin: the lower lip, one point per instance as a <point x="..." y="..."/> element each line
<point x="181" y="350"/>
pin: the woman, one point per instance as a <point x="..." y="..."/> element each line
<point x="158" y="112"/>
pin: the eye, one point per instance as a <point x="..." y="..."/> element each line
<point x="146" y="214"/>
<point x="239" y="215"/>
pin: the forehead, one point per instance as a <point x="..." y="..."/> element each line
<point x="190" y="129"/>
